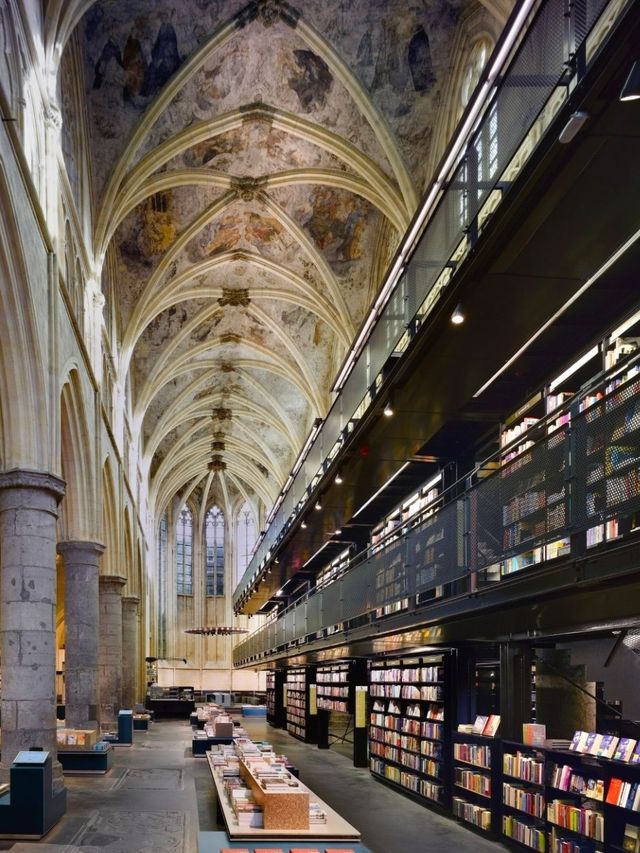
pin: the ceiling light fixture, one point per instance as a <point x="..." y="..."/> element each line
<point x="388" y="409"/>
<point x="572" y="127"/>
<point x="318" y="505"/>
<point x="338" y="531"/>
<point x="631" y="89"/>
<point x="304" y="524"/>
<point x="457" y="317"/>
<point x="339" y="481"/>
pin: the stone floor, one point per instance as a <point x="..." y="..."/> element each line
<point x="157" y="797"/>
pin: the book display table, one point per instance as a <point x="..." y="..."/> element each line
<point x="282" y="813"/>
<point x="201" y="745"/>
<point x="214" y="842"/>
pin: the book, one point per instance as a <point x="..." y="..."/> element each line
<point x="593" y="743"/>
<point x="635" y="758"/>
<point x="614" y="791"/>
<point x="480" y="723"/>
<point x="491" y="726"/>
<point x="631" y="840"/>
<point x="579" y="739"/>
<point x="607" y="746"/>
<point x="534" y="734"/>
<point x="305" y="850"/>
<point x="624" y="749"/>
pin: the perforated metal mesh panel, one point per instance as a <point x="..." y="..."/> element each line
<point x="606" y="457"/>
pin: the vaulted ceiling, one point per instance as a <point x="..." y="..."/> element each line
<point x="253" y="169"/>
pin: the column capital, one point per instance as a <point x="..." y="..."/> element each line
<point x="94" y="548"/>
<point x="19" y="478"/>
<point x="117" y="581"/>
<point x="131" y="600"/>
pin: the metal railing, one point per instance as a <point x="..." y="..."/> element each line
<point x="569" y="487"/>
<point x="560" y="42"/>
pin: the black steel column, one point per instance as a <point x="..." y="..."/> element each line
<point x="515" y="689"/>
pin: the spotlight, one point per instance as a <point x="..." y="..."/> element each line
<point x="339" y="481"/>
<point x="338" y="531"/>
<point x="572" y="127"/>
<point x="318" y="505"/>
<point x="457" y="317"/>
<point x="303" y="525"/>
<point x="277" y="560"/>
<point x="631" y="89"/>
<point x="388" y="410"/>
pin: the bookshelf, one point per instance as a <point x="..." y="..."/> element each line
<point x="301" y="711"/>
<point x="270" y="699"/>
<point x="408" y="742"/>
<point x="335" y="692"/>
<point x="609" y="441"/>
<point x="523" y="795"/>
<point x="476" y="780"/>
<point x="276" y="711"/>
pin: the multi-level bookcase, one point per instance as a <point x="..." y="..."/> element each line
<point x="301" y="703"/>
<point x="335" y="688"/>
<point x="475" y="780"/>
<point x="408" y="741"/>
<point x="276" y="715"/>
<point x="523" y="795"/>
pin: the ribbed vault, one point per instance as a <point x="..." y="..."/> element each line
<point x="254" y="166"/>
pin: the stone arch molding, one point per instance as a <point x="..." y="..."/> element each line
<point x="78" y="508"/>
<point x="23" y="379"/>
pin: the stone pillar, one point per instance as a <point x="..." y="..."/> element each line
<point x="110" y="648"/>
<point x="130" y="647"/>
<point x="28" y="512"/>
<point x="81" y="622"/>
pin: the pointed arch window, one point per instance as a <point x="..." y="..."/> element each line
<point x="245" y="539"/>
<point x="184" y="552"/>
<point x="162" y="586"/>
<point x="214" y="550"/>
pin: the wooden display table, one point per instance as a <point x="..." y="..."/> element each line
<point x="214" y="842"/>
<point x="336" y="827"/>
<point x="280" y="809"/>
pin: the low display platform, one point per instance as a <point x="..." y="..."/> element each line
<point x="254" y="711"/>
<point x="85" y="762"/>
<point x="336" y="827"/>
<point x="214" y="842"/>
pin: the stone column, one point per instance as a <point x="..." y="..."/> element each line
<point x="110" y="648"/>
<point x="81" y="622"/>
<point x="28" y="512"/>
<point x="130" y="647"/>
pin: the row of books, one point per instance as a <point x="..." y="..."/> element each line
<point x="426" y="692"/>
<point x="523" y="766"/>
<point x="473" y="753"/>
<point x="526" y="834"/>
<point x="407" y="675"/>
<point x="472" y="781"/>
<point x="477" y="815"/>
<point x="587" y="821"/>
<point x="332" y="705"/>
<point x="562" y="844"/>
<point x="606" y="746"/>
<point x="565" y="778"/>
<point x="624" y="794"/>
<point x="531" y="802"/>
<point x="342" y="691"/>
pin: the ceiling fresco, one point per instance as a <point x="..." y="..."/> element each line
<point x="254" y="166"/>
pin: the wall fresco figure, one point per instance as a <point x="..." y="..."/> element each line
<point x="134" y="64"/>
<point x="420" y="66"/>
<point x="311" y="80"/>
<point x="165" y="59"/>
